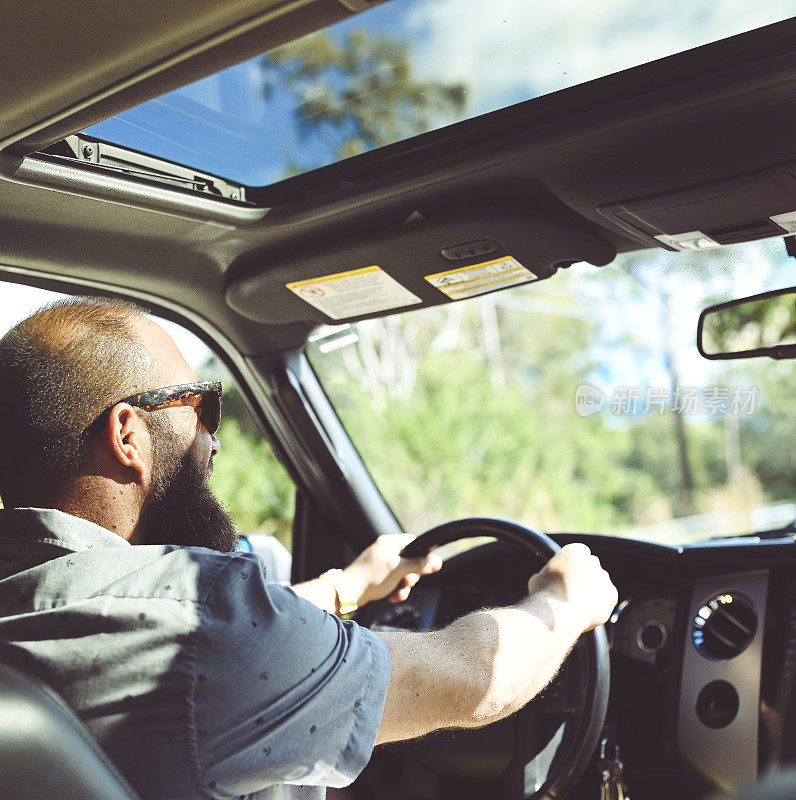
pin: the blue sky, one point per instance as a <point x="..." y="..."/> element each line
<point x="503" y="51"/>
<point x="743" y="270"/>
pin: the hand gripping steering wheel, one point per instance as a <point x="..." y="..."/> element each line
<point x="582" y="731"/>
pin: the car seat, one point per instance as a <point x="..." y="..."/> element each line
<point x="46" y="751"/>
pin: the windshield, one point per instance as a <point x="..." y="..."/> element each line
<point x="577" y="404"/>
<point x="408" y="67"/>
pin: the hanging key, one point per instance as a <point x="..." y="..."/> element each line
<point x="611" y="768"/>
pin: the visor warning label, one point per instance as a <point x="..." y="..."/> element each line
<point x="480" y="278"/>
<point x="354" y="293"/>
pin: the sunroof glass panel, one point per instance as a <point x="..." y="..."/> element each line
<point x="407" y="67"/>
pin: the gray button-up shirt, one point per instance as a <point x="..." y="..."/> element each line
<point x="197" y="677"/>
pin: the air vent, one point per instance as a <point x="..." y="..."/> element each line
<point x="724" y="627"/>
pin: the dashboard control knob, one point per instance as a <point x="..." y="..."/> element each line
<point x="652" y="636"/>
<point x="717" y="704"/>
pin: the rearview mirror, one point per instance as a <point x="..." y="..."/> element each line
<point x="763" y="325"/>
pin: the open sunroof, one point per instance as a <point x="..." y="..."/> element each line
<point x="407" y="67"/>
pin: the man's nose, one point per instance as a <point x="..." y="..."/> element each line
<point x="215" y="445"/>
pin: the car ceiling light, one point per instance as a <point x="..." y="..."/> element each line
<point x="692" y="240"/>
<point x="764" y="228"/>
<point x="786" y="221"/>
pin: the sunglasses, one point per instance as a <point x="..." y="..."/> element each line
<point x="205" y="397"/>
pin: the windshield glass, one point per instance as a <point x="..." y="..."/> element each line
<point x="407" y="67"/>
<point x="577" y="404"/>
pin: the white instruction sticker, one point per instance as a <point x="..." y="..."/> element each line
<point x="353" y="293"/>
<point x="485" y="277"/>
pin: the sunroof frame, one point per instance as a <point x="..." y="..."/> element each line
<point x="498" y="130"/>
<point x="668" y="74"/>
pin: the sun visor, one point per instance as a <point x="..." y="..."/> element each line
<point x="726" y="212"/>
<point x="422" y="263"/>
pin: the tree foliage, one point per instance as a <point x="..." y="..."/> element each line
<point x="252" y="484"/>
<point x="755" y="324"/>
<point x="474" y="434"/>
<point x="355" y="94"/>
<point x="250" y="481"/>
<point x="468" y="409"/>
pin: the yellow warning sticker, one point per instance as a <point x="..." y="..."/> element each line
<point x="353" y="293"/>
<point x="480" y="278"/>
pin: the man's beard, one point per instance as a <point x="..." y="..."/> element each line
<point x="180" y="508"/>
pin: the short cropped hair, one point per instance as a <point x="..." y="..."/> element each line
<point x="59" y="369"/>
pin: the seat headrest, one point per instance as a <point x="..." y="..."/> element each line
<point x="46" y="751"/>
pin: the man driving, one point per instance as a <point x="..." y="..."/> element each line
<point x="121" y="588"/>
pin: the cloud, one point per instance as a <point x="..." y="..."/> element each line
<point x="507" y="51"/>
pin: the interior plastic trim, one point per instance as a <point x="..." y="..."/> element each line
<point x="91" y="182"/>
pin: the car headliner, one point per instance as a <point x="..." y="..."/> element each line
<point x="568" y="164"/>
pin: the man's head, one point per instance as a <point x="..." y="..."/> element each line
<point x="141" y="473"/>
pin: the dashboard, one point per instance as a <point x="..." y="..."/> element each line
<point x="703" y="654"/>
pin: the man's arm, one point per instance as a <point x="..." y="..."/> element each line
<point x="489" y="664"/>
<point x="379" y="571"/>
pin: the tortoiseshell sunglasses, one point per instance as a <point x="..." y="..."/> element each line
<point x="206" y="393"/>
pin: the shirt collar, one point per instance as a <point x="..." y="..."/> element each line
<point x="53" y="527"/>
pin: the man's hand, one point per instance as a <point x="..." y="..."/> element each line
<point x="573" y="577"/>
<point x="380" y="571"/>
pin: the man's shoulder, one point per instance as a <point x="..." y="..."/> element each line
<point x="155" y="572"/>
<point x="166" y="572"/>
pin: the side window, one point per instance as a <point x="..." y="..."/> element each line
<point x="251" y="483"/>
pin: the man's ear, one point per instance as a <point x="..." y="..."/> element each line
<point x="128" y="441"/>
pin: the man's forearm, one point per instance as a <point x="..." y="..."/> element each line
<point x="319" y="592"/>
<point x="525" y="646"/>
<point x="479" y="669"/>
<point x="489" y="664"/>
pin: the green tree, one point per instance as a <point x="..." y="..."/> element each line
<point x="251" y="483"/>
<point x="468" y="409"/>
<point x="492" y="435"/>
<point x="751" y="325"/>
<point x="360" y="92"/>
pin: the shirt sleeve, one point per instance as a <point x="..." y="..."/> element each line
<point x="276" y="557"/>
<point x="283" y="692"/>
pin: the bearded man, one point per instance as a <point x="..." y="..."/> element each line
<point x="121" y="588"/>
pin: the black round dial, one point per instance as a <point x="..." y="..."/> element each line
<point x="724" y="626"/>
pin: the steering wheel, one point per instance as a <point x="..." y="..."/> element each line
<point x="582" y="731"/>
